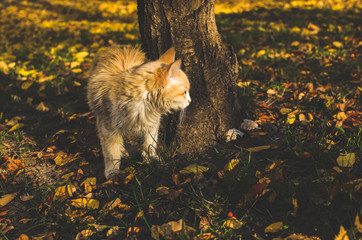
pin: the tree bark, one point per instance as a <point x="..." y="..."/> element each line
<point x="212" y="69"/>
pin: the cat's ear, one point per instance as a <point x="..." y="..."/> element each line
<point x="168" y="57"/>
<point x="173" y="71"/>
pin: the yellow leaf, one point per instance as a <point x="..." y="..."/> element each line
<point x="284" y="111"/>
<point x="85" y="203"/>
<point x="261" y="53"/>
<point x="26" y="84"/>
<point x="233" y="223"/>
<point x="64" y="192"/>
<point x="346" y="159"/>
<point x="4" y="67"/>
<point x="341" y="116"/>
<point x="112" y="204"/>
<point x="16" y="126"/>
<point x="26" y="73"/>
<point x="337" y="44"/>
<point x="231" y="165"/>
<point x="274" y="227"/>
<point x="91" y="180"/>
<point x="291" y="119"/>
<point x="5" y="199"/>
<point x="62" y="158"/>
<point x="128" y="178"/>
<point x="80" y="56"/>
<point x="295" y="44"/>
<point x="194" y="168"/>
<point x="342" y="235"/>
<point x="258" y="148"/>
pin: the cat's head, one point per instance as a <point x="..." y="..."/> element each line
<point x="174" y="83"/>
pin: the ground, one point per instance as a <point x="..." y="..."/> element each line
<point x="295" y="176"/>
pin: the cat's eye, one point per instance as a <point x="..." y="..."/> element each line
<point x="185" y="92"/>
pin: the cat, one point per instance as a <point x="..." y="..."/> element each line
<point x="128" y="95"/>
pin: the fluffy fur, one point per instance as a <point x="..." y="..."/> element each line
<point x="128" y="95"/>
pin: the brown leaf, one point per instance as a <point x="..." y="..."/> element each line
<point x="5" y="199"/>
<point x="172" y="230"/>
<point x="274" y="227"/>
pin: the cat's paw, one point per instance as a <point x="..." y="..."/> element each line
<point x="111" y="173"/>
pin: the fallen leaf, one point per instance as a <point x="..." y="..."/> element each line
<point x="346" y="159"/>
<point x="291" y="119"/>
<point x="232" y="134"/>
<point x="5" y="199"/>
<point x="85" y="203"/>
<point x="285" y="111"/>
<point x="23" y="237"/>
<point x="63" y="159"/>
<point x="4" y="67"/>
<point x="172" y="230"/>
<point x="112" y="205"/>
<point x="26" y="84"/>
<point x="248" y="125"/>
<point x="162" y="190"/>
<point x="16" y="126"/>
<point x="357" y="223"/>
<point x="337" y="44"/>
<point x="233" y="223"/>
<point x="342" y="235"/>
<point x="231" y="165"/>
<point x="257" y="149"/>
<point x="25" y="220"/>
<point x="43" y="107"/>
<point x="113" y="232"/>
<point x="274" y="227"/>
<point x="45" y="236"/>
<point x="85" y="234"/>
<point x="25" y="198"/>
<point x="194" y="168"/>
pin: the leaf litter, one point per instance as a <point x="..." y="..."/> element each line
<point x="295" y="99"/>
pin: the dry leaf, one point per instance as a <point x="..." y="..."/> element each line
<point x="231" y="165"/>
<point x="248" y="125"/>
<point x="346" y="159"/>
<point x="205" y="236"/>
<point x="172" y="230"/>
<point x="62" y="158"/>
<point x="5" y="199"/>
<point x="233" y="223"/>
<point x="162" y="190"/>
<point x="194" y="168"/>
<point x="25" y="220"/>
<point x="342" y="235"/>
<point x="23" y="237"/>
<point x="16" y="126"/>
<point x="113" y="232"/>
<point x="274" y="227"/>
<point x="232" y="134"/>
<point x="285" y="111"/>
<point x="257" y="149"/>
<point x="85" y="203"/>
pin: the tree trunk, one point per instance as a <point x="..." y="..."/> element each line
<point x="190" y="27"/>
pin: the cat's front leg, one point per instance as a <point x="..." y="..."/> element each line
<point x="149" y="152"/>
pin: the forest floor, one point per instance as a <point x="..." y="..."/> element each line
<point x="296" y="176"/>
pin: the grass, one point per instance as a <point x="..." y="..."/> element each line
<point x="299" y="60"/>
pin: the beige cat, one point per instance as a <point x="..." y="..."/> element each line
<point x="128" y="96"/>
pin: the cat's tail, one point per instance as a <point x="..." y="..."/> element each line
<point x="117" y="59"/>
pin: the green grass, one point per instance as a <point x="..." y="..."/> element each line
<point x="301" y="55"/>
